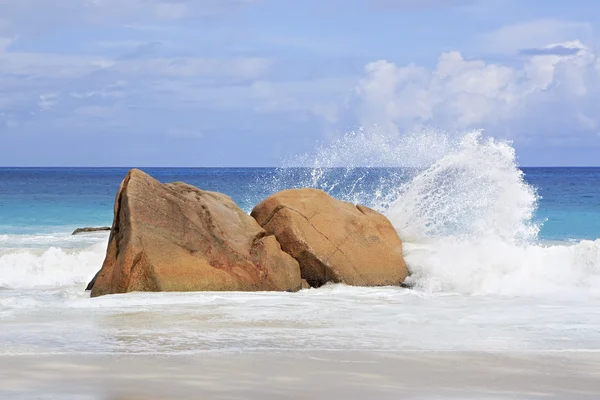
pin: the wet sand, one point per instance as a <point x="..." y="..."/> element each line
<point x="303" y="375"/>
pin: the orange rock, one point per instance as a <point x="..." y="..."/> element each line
<point x="332" y="240"/>
<point x="175" y="237"/>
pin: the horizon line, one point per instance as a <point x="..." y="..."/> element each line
<point x="252" y="167"/>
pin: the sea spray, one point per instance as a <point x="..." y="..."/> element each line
<point x="367" y="167"/>
<point x="474" y="191"/>
<point x="467" y="223"/>
<point x="460" y="204"/>
<point x="429" y="183"/>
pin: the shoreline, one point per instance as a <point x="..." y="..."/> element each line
<point x="304" y="374"/>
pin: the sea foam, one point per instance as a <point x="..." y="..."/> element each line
<point x="32" y="268"/>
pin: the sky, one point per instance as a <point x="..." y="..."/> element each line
<point x="251" y="82"/>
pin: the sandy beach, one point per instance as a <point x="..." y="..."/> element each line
<point x="303" y="375"/>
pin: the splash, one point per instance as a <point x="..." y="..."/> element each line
<point x="366" y="167"/>
<point x="429" y="183"/>
<point x="461" y="205"/>
<point x="474" y="191"/>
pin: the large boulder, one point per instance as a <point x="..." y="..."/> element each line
<point x="332" y="240"/>
<point x="176" y="237"/>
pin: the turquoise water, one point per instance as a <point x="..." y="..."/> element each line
<point x="480" y="273"/>
<point x="570" y="201"/>
<point x="465" y="229"/>
<point x="502" y="260"/>
<point x="43" y="200"/>
<point x="36" y="200"/>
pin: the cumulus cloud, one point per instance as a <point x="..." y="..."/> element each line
<point x="159" y="66"/>
<point x="553" y="93"/>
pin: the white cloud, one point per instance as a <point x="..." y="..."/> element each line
<point x="417" y="4"/>
<point x="160" y="28"/>
<point x="587" y="122"/>
<point x="533" y="34"/>
<point x="171" y="11"/>
<point x="27" y="16"/>
<point x="5" y="43"/>
<point x="115" y="90"/>
<point x="49" y="65"/>
<point x="327" y="111"/>
<point x="548" y="92"/>
<point x="185" y="133"/>
<point x="242" y="67"/>
<point x="59" y="69"/>
<point x="301" y="99"/>
<point x="99" y="86"/>
<point x="94" y="111"/>
<point x="319" y="98"/>
<point x="120" y="43"/>
<point x="48" y="101"/>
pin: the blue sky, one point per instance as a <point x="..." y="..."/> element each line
<point x="249" y="82"/>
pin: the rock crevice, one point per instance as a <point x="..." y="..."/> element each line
<point x="175" y="237"/>
<point x="353" y="245"/>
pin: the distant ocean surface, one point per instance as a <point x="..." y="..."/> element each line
<point x="502" y="259"/>
<point x="58" y="200"/>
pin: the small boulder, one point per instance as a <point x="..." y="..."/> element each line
<point x="90" y="230"/>
<point x="176" y="237"/>
<point x="332" y="240"/>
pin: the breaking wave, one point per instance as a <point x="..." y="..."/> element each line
<point x="51" y="267"/>
<point x="461" y="205"/>
<point x="459" y="202"/>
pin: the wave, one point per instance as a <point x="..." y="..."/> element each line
<point x="52" y="267"/>
<point x="52" y="239"/>
<point x="474" y="191"/>
<point x="462" y="208"/>
<point x="458" y="201"/>
<point x="497" y="267"/>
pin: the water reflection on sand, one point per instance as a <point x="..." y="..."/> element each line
<point x="303" y="375"/>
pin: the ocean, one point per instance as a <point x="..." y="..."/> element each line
<point x="505" y="265"/>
